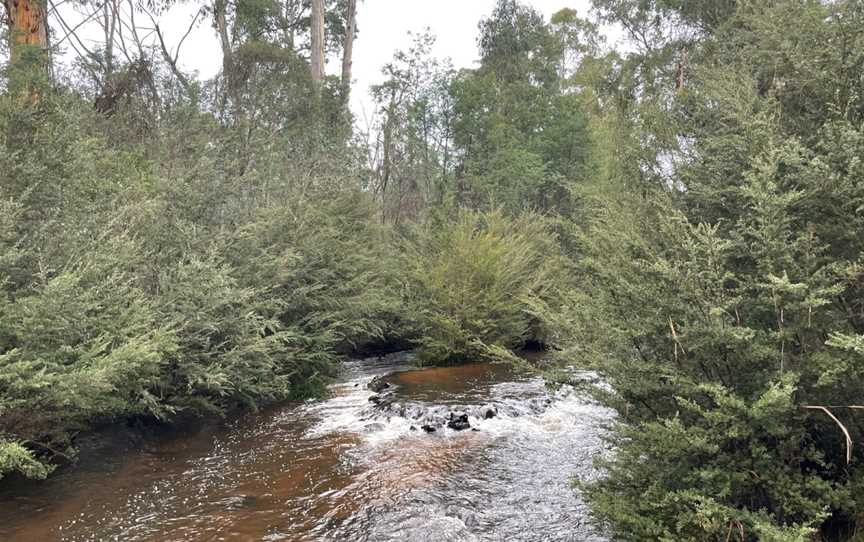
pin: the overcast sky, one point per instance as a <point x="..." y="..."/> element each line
<point x="384" y="27"/>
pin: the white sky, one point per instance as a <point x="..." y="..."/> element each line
<point x="384" y="27"/>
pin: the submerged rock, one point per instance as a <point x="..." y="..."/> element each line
<point x="428" y="428"/>
<point x="488" y="412"/>
<point x="238" y="502"/>
<point x="382" y="400"/>
<point x="458" y="421"/>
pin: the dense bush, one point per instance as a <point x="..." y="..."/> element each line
<point x="710" y="367"/>
<point x="481" y="283"/>
<point x="136" y="287"/>
<point x="722" y="284"/>
<point x="326" y="267"/>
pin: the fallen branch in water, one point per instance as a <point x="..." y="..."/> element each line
<point x="47" y="448"/>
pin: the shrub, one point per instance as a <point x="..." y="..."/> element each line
<point x="481" y="283"/>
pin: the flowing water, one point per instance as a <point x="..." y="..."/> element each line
<point x="344" y="468"/>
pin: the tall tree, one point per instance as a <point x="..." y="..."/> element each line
<point x="412" y="156"/>
<point x="28" y="29"/>
<point x="521" y="136"/>
<point x="316" y="59"/>
<point x="229" y="69"/>
<point x="348" y="51"/>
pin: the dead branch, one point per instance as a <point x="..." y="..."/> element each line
<point x="839" y="424"/>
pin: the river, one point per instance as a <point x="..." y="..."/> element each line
<point x="342" y="468"/>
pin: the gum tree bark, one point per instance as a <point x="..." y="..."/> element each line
<point x="348" y="52"/>
<point x="28" y="26"/>
<point x="316" y="59"/>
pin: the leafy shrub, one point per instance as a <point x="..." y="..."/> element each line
<point x="716" y="338"/>
<point x="124" y="295"/>
<point x="325" y="268"/>
<point x="481" y="283"/>
<point x="79" y="347"/>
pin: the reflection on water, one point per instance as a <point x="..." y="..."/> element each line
<point x="340" y="469"/>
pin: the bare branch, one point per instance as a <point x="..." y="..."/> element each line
<point x="842" y="428"/>
<point x="71" y="31"/>
<point x="186" y="35"/>
<point x="170" y="59"/>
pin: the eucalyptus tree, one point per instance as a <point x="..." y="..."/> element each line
<point x="411" y="157"/>
<point x="27" y="22"/>
<point x="348" y="48"/>
<point x="316" y="47"/>
<point x="28" y="46"/>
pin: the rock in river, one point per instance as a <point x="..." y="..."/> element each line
<point x="458" y="421"/>
<point x="488" y="412"/>
<point x="378" y="384"/>
<point x="382" y="400"/>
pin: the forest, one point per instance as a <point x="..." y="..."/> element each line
<point x="683" y="215"/>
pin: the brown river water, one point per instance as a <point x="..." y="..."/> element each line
<point x="341" y="468"/>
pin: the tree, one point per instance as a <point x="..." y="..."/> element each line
<point x="520" y="134"/>
<point x="28" y="34"/>
<point x="348" y="48"/>
<point x="230" y="71"/>
<point x="411" y="158"/>
<point x="316" y="53"/>
<point x="726" y="279"/>
<point x="28" y="26"/>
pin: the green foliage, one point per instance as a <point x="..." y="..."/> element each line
<point x="720" y="295"/>
<point x="481" y="283"/>
<point x="721" y="450"/>
<point x="412" y="164"/>
<point x="146" y="280"/>
<point x="709" y="366"/>
<point x="522" y="135"/>
<point x="79" y="346"/>
<point x="17" y="458"/>
<point x="327" y="268"/>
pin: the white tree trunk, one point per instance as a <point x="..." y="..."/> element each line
<point x="348" y="53"/>
<point x="316" y="60"/>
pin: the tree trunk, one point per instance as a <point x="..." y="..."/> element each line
<point x="230" y="74"/>
<point x="109" y="29"/>
<point x="348" y="53"/>
<point x="28" y="26"/>
<point x="680" y="72"/>
<point x="316" y="59"/>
